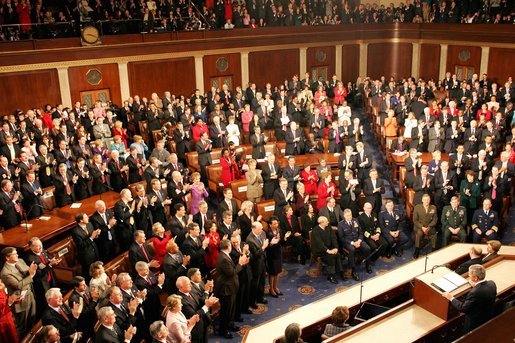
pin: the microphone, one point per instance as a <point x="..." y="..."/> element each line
<point x="446" y="265"/>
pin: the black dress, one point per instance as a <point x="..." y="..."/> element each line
<point x="274" y="254"/>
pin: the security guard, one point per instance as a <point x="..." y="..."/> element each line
<point x="454" y="221"/>
<point x="425" y="218"/>
<point x="485" y="222"/>
<point x="390" y="221"/>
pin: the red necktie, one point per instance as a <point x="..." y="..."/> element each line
<point x="144" y="252"/>
<point x="62" y="313"/>
<point x="43" y="260"/>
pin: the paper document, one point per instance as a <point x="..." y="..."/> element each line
<point x="449" y="282"/>
<point x="76" y="205"/>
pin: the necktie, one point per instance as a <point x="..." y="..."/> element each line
<point x="272" y="169"/>
<point x="63" y="314"/>
<point x="142" y="247"/>
<point x="494" y="190"/>
<point x="337" y="136"/>
<point x="43" y="260"/>
<point x="67" y="185"/>
<point x="260" y="240"/>
<point x="86" y="298"/>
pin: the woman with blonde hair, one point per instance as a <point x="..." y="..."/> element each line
<point x="254" y="182"/>
<point x="99" y="278"/>
<point x="339" y="317"/>
<point x="198" y="193"/>
<point x="179" y="328"/>
<point x="246" y="218"/>
<point x="160" y="240"/>
<point x="118" y="130"/>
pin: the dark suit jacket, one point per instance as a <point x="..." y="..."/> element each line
<point x="43" y="270"/>
<point x="370" y="196"/>
<point x="257" y="262"/>
<point x="290" y="174"/>
<point x="193" y="248"/>
<point x="270" y="185"/>
<point x="323" y="240"/>
<point x="464" y="267"/>
<point x="61" y="198"/>
<point x="258" y="148"/>
<point x="105" y="245"/>
<point x="324" y="211"/>
<point x="30" y="200"/>
<point x="86" y="248"/>
<point x="190" y="307"/>
<point x="173" y="268"/>
<point x="280" y="200"/>
<point x="136" y="253"/>
<point x="105" y="335"/>
<point x="478" y="305"/>
<point x="226" y="282"/>
<point x="9" y="217"/>
<point x="204" y="155"/>
<point x="134" y="175"/>
<point x="66" y="327"/>
<point x="222" y="207"/>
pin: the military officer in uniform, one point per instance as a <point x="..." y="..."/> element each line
<point x="372" y="231"/>
<point x="425" y="218"/>
<point x="350" y="238"/>
<point x="485" y="222"/>
<point x="390" y="223"/>
<point x="454" y="221"/>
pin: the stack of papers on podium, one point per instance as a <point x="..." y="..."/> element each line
<point x="449" y="282"/>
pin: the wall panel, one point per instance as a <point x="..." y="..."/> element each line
<point x="350" y="62"/>
<point x="110" y="80"/>
<point x="273" y="66"/>
<point x="501" y="64"/>
<point x="174" y="75"/>
<point x="429" y="61"/>
<point x="222" y="65"/>
<point x="323" y="56"/>
<point x="462" y="55"/>
<point x="389" y="59"/>
<point x="30" y="89"/>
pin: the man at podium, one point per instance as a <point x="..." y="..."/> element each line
<point x="478" y="305"/>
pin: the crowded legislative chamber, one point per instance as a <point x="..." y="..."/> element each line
<point x="257" y="171"/>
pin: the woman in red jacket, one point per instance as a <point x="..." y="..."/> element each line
<point x="198" y="129"/>
<point x="340" y="93"/>
<point x="309" y="179"/>
<point x="160" y="240"/>
<point x="230" y="169"/>
<point x="326" y="189"/>
<point x="7" y="327"/>
<point x="214" y="243"/>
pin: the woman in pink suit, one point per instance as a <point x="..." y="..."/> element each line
<point x="309" y="179"/>
<point x="246" y="117"/>
<point x="320" y="95"/>
<point x="340" y="93"/>
<point x="229" y="168"/>
<point x="326" y="189"/>
<point x="7" y="327"/>
<point x="198" y="193"/>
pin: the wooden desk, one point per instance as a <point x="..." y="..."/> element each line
<point x="314" y="312"/>
<point x="398" y="161"/>
<point x="61" y="220"/>
<point x="88" y="205"/>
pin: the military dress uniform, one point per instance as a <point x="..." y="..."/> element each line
<point x="423" y="217"/>
<point x="370" y="227"/>
<point x="391" y="222"/>
<point x="484" y="221"/>
<point x="350" y="232"/>
<point x="455" y="218"/>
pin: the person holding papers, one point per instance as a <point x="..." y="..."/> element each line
<point x="479" y="303"/>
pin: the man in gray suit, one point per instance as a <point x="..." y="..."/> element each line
<point x="17" y="277"/>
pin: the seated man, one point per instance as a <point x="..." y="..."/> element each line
<point x="475" y="254"/>
<point x="485" y="222"/>
<point x="425" y="218"/>
<point x="324" y="244"/>
<point x="390" y="223"/>
<point x="372" y="231"/>
<point x="350" y="238"/>
<point x="454" y="221"/>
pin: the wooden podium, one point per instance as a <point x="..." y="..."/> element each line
<point x="430" y="298"/>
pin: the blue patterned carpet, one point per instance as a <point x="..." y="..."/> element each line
<point x="302" y="285"/>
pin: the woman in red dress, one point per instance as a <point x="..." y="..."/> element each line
<point x="228" y="9"/>
<point x="160" y="240"/>
<point x="320" y="95"/>
<point x="326" y="189"/>
<point x="7" y="327"/>
<point x="229" y="167"/>
<point x="23" y="10"/>
<point x="198" y="129"/>
<point x="485" y="111"/>
<point x="118" y="130"/>
<point x="435" y="110"/>
<point x="340" y="93"/>
<point x="214" y="243"/>
<point x="309" y="179"/>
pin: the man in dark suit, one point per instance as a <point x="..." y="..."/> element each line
<point x="142" y="212"/>
<point x="9" y="205"/>
<point x="31" y="192"/>
<point x="413" y="164"/>
<point x="118" y="172"/>
<point x="99" y="173"/>
<point x="134" y="161"/>
<point x="227" y="285"/>
<point x="89" y="299"/>
<point x="423" y="184"/>
<point x="131" y="296"/>
<point x="271" y="173"/>
<point x="445" y="184"/>
<point x="104" y="220"/>
<point x="157" y="201"/>
<point x="109" y="331"/>
<point x="291" y="173"/>
<point x="123" y="212"/>
<point x="390" y="223"/>
<point x="192" y="306"/>
<point x="125" y="313"/>
<point x="64" y="318"/>
<point x="218" y="133"/>
<point x="139" y="250"/>
<point x="153" y="284"/>
<point x="64" y="182"/>
<point x="363" y="161"/>
<point x="479" y="303"/>
<point x="10" y="150"/>
<point x="227" y="226"/>
<point x="476" y="257"/>
<point x="258" y="141"/>
<point x="177" y="190"/>
<point x="239" y="249"/>
<point x="152" y="171"/>
<point x="46" y="163"/>
<point x="84" y="235"/>
<point x="45" y="277"/>
<point x="258" y="243"/>
<point x="399" y="145"/>
<point x="228" y="204"/>
<point x="175" y="264"/>
<point x="350" y="237"/>
<point x="63" y="154"/>
<point x="178" y="224"/>
<point x="294" y="140"/>
<point x="196" y="248"/>
<point x="282" y="196"/>
<point x="335" y="138"/>
<point x="204" y="214"/>
<point x="324" y="244"/>
<point x="373" y="188"/>
<point x="332" y="212"/>
<point x="203" y="148"/>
